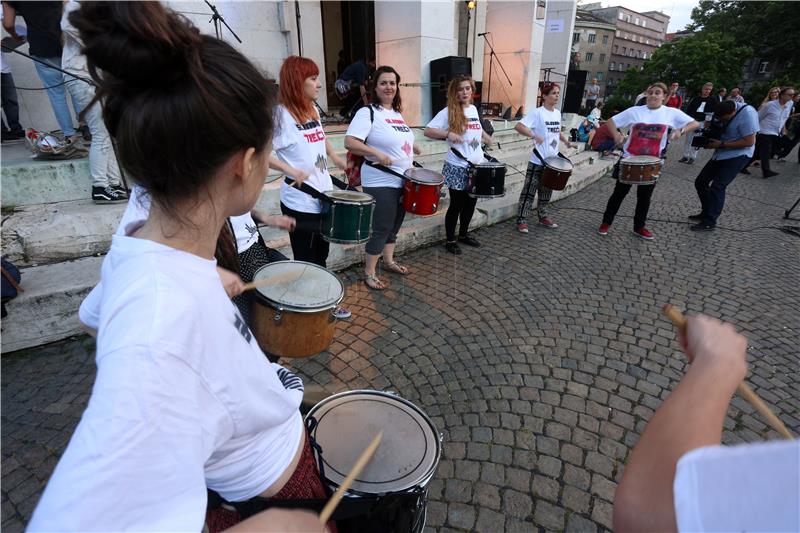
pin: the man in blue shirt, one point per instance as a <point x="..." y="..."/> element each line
<point x="732" y="152"/>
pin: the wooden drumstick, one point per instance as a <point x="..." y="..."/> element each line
<point x="744" y="390"/>
<point x="361" y="462"/>
<point x="255" y="284"/>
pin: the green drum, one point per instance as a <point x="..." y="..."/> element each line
<point x="348" y="219"/>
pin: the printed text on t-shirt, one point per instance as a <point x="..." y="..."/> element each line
<point x="398" y="124"/>
<point x="314" y="136"/>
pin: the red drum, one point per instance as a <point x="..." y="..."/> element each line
<point x="556" y="173"/>
<point x="421" y="191"/>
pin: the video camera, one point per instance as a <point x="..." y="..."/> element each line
<point x="712" y="131"/>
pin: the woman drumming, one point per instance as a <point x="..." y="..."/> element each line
<point x="184" y="399"/>
<point x="543" y="125"/>
<point x="379" y="133"/>
<point x="460" y="125"/>
<point x="648" y="136"/>
<point x="302" y="152"/>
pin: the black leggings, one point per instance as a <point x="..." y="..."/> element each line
<point x="462" y="207"/>
<point x="307" y="242"/>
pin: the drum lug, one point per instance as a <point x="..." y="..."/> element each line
<point x="435" y="206"/>
<point x="332" y="317"/>
<point x="414" y="205"/>
<point x="278" y="316"/>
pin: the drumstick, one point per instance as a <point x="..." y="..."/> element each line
<point x="255" y="284"/>
<point x="744" y="390"/>
<point x="361" y="462"/>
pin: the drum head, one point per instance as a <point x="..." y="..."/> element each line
<point x="299" y="286"/>
<point x="558" y="163"/>
<point x="350" y="197"/>
<point x="347" y="423"/>
<point x="641" y="160"/>
<point x="490" y="164"/>
<point x="424" y="176"/>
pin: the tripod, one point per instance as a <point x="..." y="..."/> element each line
<point x="789" y="211"/>
<point x="216" y="18"/>
<point x="492" y="55"/>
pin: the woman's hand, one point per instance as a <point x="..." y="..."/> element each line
<point x="383" y="159"/>
<point x="281" y="222"/>
<point x="417" y="150"/>
<point x="538" y="139"/>
<point x="299" y="176"/>
<point x="454" y="138"/>
<point x="231" y="282"/>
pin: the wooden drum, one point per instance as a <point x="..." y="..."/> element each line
<point x="293" y="312"/>
<point x="556" y="173"/>
<point x="639" y="170"/>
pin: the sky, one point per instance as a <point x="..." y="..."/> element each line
<point x="680" y="11"/>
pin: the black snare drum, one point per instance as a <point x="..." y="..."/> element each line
<point x="488" y="180"/>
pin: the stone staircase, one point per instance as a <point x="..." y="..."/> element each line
<point x="58" y="236"/>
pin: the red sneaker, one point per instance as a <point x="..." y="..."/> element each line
<point x="547" y="223"/>
<point x="603" y="230"/>
<point x="522" y="227"/>
<point x="643" y="233"/>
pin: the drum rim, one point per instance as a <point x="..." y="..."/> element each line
<point x="292" y="308"/>
<point x="423" y="479"/>
<point x="491" y="164"/>
<point x="411" y="178"/>
<point x="559" y="158"/>
<point x="365" y="201"/>
<point x="652" y="160"/>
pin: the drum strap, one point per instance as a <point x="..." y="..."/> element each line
<point x="311" y="191"/>
<point x="384" y="168"/>
<point x="460" y="155"/>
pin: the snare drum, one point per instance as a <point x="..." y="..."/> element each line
<point x="292" y="314"/>
<point x="421" y="190"/>
<point x="488" y="180"/>
<point x="398" y="474"/>
<point x="349" y="217"/>
<point x="556" y="173"/>
<point x="639" y="170"/>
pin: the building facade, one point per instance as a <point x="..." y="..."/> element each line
<point x="407" y="35"/>
<point x="636" y="37"/>
<point x="592" y="43"/>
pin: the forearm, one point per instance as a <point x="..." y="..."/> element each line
<point x="522" y="129"/>
<point x="486" y="138"/>
<point x="333" y="156"/>
<point x="564" y="138"/>
<point x="691" y="417"/>
<point x="434" y="133"/>
<point x="280" y="166"/>
<point x="693" y="125"/>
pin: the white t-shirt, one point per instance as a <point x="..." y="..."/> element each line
<point x="648" y="135"/>
<point x="471" y="147"/>
<point x="772" y="117"/>
<point x="749" y="487"/>
<point x="388" y="133"/>
<point x="184" y="399"/>
<point x="302" y="146"/>
<point x="545" y="124"/>
<point x="245" y="228"/>
<point x="72" y="59"/>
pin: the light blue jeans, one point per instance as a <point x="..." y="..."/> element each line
<point x="58" y="95"/>
<point x="102" y="160"/>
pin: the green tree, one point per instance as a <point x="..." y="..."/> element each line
<point x="691" y="61"/>
<point x="770" y="28"/>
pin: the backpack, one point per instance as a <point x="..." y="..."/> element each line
<point x="354" y="162"/>
<point x="10" y="283"/>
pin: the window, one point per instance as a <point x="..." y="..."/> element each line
<point x="627" y="18"/>
<point x="648" y="41"/>
<point x="621" y="15"/>
<point x="599" y="76"/>
<point x="637" y="21"/>
<point x="612" y="65"/>
<point x="624" y="50"/>
<point x="602" y="59"/>
<point x="591" y="37"/>
<point x="605" y="40"/>
<point x="762" y="68"/>
<point x="617" y="33"/>
<point x="644" y="23"/>
<point x="589" y="56"/>
<point x="576" y="37"/>
<point x="616" y="49"/>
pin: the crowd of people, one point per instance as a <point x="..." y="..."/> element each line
<point x="185" y="401"/>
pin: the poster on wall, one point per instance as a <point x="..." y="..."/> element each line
<point x="555" y="26"/>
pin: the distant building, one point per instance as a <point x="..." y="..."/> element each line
<point x="636" y="37"/>
<point x="592" y="41"/>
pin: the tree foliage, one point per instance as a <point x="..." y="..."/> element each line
<point x="769" y="28"/>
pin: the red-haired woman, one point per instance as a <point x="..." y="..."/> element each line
<point x="301" y="151"/>
<point x="543" y="125"/>
<point x="460" y="125"/>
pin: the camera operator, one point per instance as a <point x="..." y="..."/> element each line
<point x="701" y="109"/>
<point x="732" y="135"/>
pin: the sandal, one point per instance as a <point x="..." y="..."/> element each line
<point x="374" y="283"/>
<point x="394" y="267"/>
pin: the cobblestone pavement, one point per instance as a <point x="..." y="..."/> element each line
<point x="539" y="357"/>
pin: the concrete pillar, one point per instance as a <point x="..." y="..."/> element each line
<point x="559" y="26"/>
<point x="408" y="36"/>
<point x="517" y="36"/>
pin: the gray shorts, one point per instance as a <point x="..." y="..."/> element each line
<point x="386" y="219"/>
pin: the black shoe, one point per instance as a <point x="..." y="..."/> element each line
<point x="453" y="248"/>
<point x="744" y="171"/>
<point x="690" y="161"/>
<point x="683" y="160"/>
<point x="86" y="134"/>
<point x="703" y="226"/>
<point x="470" y="241"/>
<point x="769" y="174"/>
<point x="121" y="190"/>
<point x="11" y="136"/>
<point x="697" y="217"/>
<point x="106" y="195"/>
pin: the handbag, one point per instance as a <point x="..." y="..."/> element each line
<point x="354" y="162"/>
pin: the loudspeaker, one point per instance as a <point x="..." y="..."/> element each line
<point x="576" y="80"/>
<point x="443" y="70"/>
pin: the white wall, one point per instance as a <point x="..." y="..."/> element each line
<point x="556" y="53"/>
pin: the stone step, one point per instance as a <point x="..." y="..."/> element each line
<point x="47" y="310"/>
<point x="47" y="233"/>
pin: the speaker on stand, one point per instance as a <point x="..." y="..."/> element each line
<point x="443" y="70"/>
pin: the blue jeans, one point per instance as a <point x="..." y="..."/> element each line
<point x="712" y="182"/>
<point x="58" y="95"/>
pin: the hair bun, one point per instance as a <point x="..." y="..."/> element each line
<point x="141" y="44"/>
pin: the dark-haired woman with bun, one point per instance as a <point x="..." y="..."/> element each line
<point x="460" y="125"/>
<point x="301" y="152"/>
<point x="184" y="399"/>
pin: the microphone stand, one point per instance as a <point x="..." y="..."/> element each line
<point x="216" y="18"/>
<point x="492" y="55"/>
